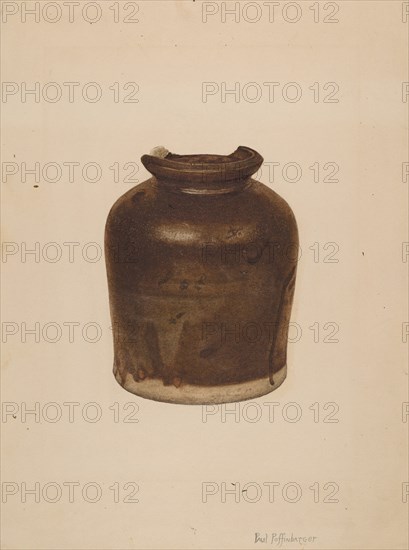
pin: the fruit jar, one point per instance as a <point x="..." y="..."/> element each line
<point x="201" y="263"/>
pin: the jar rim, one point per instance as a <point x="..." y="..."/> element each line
<point x="204" y="171"/>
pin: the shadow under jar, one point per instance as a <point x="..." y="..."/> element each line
<point x="201" y="263"/>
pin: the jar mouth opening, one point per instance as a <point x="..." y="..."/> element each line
<point x="204" y="171"/>
<point x="199" y="160"/>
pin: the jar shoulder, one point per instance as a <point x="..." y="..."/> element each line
<point x="256" y="210"/>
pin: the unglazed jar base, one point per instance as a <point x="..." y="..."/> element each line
<point x="201" y="395"/>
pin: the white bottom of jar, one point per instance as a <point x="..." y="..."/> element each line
<point x="201" y="395"/>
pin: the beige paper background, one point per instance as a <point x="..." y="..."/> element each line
<point x="171" y="451"/>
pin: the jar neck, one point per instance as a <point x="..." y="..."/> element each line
<point x="204" y="174"/>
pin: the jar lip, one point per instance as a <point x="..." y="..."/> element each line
<point x="204" y="170"/>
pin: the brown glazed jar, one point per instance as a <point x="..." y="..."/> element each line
<point x="201" y="263"/>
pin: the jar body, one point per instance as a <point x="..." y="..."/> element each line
<point x="201" y="288"/>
